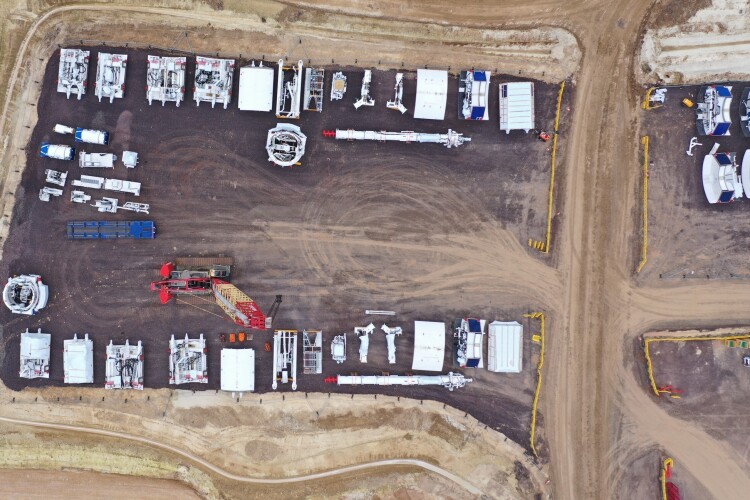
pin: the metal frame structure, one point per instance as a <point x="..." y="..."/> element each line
<point x="338" y="86"/>
<point x="284" y="358"/>
<point x="338" y="348"/>
<point x="285" y="144"/>
<point x="213" y="81"/>
<point x="112" y="205"/>
<point x="399" y="95"/>
<point x="124" y="366"/>
<point x="390" y="338"/>
<point x="312" y="352"/>
<point x="314" y="83"/>
<point x="288" y="93"/>
<point x="364" y="332"/>
<point x="103" y="230"/>
<point x="474" y="95"/>
<point x="165" y="79"/>
<point x="364" y="98"/>
<point x="187" y="361"/>
<point x="468" y="342"/>
<point x="25" y="294"/>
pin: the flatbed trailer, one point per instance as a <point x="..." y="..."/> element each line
<point x="96" y="230"/>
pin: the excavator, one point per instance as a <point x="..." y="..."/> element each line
<point x="207" y="276"/>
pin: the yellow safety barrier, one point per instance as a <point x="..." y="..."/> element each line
<point x="650" y="365"/>
<point x="644" y="250"/>
<point x="540" y="316"/>
<point x="545" y="246"/>
<point x="668" y="462"/>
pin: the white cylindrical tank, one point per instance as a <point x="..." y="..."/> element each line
<point x="62" y="129"/>
<point x="449" y="380"/>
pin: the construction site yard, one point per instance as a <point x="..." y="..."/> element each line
<point x="709" y="383"/>
<point x="688" y="238"/>
<point x="404" y="227"/>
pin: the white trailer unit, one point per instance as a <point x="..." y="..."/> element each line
<point x="187" y="361"/>
<point x="449" y="380"/>
<point x="78" y="360"/>
<point x="238" y="371"/>
<point x="96" y="160"/>
<point x="73" y="73"/>
<point x="256" y="88"/>
<point x="284" y="358"/>
<point x="124" y="368"/>
<point x="35" y="354"/>
<point x="505" y="351"/>
<point x="516" y="106"/>
<point x="165" y="79"/>
<point x="213" y="81"/>
<point x="25" y="294"/>
<point x="289" y="92"/>
<point x="110" y="76"/>
<point x="312" y="352"/>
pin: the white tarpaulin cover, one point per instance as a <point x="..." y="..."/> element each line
<point x="238" y="370"/>
<point x="432" y="94"/>
<point x="505" y="352"/>
<point x="78" y="360"/>
<point x="429" y="346"/>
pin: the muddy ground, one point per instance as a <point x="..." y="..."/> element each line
<point x="357" y="226"/>
<point x="688" y="237"/>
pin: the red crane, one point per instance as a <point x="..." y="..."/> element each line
<point x="203" y="276"/>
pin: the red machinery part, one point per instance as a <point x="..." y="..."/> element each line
<point x="332" y="380"/>
<point x="166" y="270"/>
<point x="673" y="492"/>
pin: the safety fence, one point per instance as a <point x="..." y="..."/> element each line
<point x="545" y="246"/>
<point x="674" y="393"/>
<point x="537" y="338"/>
<point x="644" y="248"/>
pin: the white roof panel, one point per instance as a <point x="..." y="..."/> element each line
<point x="429" y="346"/>
<point x="256" y="88"/>
<point x="432" y="94"/>
<point x="505" y="351"/>
<point x="78" y="360"/>
<point x="238" y="370"/>
<point x="516" y="106"/>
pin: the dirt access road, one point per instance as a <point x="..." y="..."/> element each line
<point x="599" y="419"/>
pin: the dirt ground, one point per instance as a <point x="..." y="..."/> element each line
<point x="14" y="484"/>
<point x="355" y="227"/>
<point x="688" y="237"/>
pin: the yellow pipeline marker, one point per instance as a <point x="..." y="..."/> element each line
<point x="650" y="366"/>
<point x="540" y="316"/>
<point x="668" y="462"/>
<point x="544" y="247"/>
<point x="644" y="249"/>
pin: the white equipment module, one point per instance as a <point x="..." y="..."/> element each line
<point x="390" y="337"/>
<point x="285" y="144"/>
<point x="713" y="110"/>
<point x="79" y="197"/>
<point x="452" y="139"/>
<point x="91" y="136"/>
<point x="338" y="86"/>
<point x="432" y="94"/>
<point x="63" y="129"/>
<point x="338" y="348"/>
<point x="78" y="360"/>
<point x="124" y="368"/>
<point x="238" y="371"/>
<point x="187" y="361"/>
<point x="722" y="182"/>
<point x="46" y="192"/>
<point x="399" y="95"/>
<point x="364" y="93"/>
<point x="363" y="332"/>
<point x="450" y="380"/>
<point x="123" y="186"/>
<point x="96" y="160"/>
<point x="284" y="358"/>
<point x="213" y="80"/>
<point x="429" y="346"/>
<point x="129" y="159"/>
<point x="469" y="342"/>
<point x="73" y="73"/>
<point x="35" y="354"/>
<point x="314" y="82"/>
<point x="312" y="352"/>
<point x="516" y="106"/>
<point x="165" y="79"/>
<point x="288" y="101"/>
<point x="112" y="205"/>
<point x="110" y="76"/>
<point x="474" y="95"/>
<point x="25" y="294"/>
<point x="256" y="88"/>
<point x="55" y="177"/>
<point x="505" y="351"/>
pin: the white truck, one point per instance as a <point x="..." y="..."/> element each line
<point x="92" y="136"/>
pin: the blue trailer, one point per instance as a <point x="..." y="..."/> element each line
<point x="95" y="230"/>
